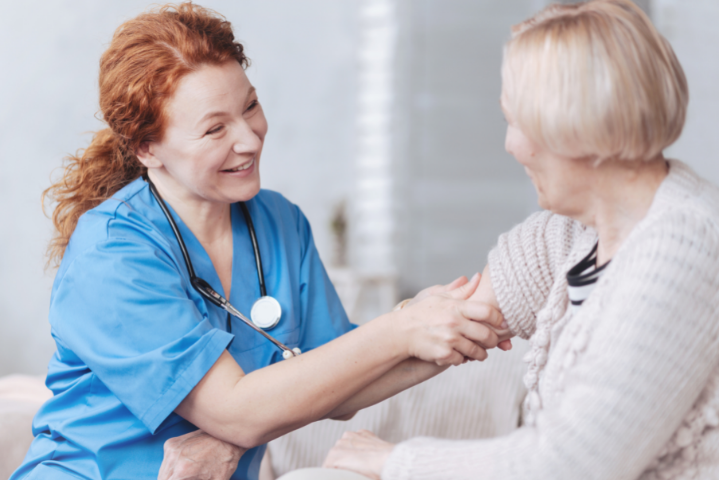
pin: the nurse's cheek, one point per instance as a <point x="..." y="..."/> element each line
<point x="199" y="455"/>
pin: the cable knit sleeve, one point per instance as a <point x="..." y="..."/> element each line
<point x="524" y="264"/>
<point x="649" y="347"/>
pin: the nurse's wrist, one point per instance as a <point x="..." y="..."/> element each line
<point x="397" y="330"/>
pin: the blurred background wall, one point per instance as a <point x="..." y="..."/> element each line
<point x="385" y="128"/>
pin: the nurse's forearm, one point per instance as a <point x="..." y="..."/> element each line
<point x="249" y="410"/>
<point x="404" y="375"/>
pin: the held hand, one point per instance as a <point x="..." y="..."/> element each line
<point x="445" y="328"/>
<point x="361" y="452"/>
<point x="470" y="288"/>
<point x="199" y="456"/>
<point x="438" y="289"/>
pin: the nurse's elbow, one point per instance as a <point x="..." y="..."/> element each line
<point x="344" y="418"/>
<point x="250" y="436"/>
<point x="248" y="440"/>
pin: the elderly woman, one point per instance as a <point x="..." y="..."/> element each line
<point x="615" y="283"/>
<point x="161" y="228"/>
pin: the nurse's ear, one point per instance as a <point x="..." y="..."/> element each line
<point x="145" y="153"/>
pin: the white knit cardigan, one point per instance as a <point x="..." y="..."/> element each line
<point x="626" y="387"/>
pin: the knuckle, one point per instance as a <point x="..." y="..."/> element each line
<point x="485" y="335"/>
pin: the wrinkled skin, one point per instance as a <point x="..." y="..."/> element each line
<point x="199" y="456"/>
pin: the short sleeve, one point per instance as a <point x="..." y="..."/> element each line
<point x="123" y="308"/>
<point x="525" y="264"/>
<point x="323" y="314"/>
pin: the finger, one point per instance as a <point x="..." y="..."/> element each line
<point x="505" y="345"/>
<point x="470" y="349"/>
<point x="479" y="333"/>
<point x="458" y="282"/>
<point x="482" y="312"/>
<point x="455" y="359"/>
<point x="450" y="355"/>
<point x="463" y="292"/>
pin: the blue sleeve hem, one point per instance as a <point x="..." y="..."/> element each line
<point x="216" y="343"/>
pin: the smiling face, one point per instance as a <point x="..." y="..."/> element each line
<point x="211" y="147"/>
<point x="562" y="183"/>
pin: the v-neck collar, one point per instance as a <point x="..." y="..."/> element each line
<point x="199" y="257"/>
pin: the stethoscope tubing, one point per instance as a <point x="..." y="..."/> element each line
<point x="205" y="289"/>
<point x="256" y="248"/>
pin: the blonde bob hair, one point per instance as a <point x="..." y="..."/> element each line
<point x="594" y="79"/>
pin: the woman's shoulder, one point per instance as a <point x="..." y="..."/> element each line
<point x="685" y="194"/>
<point x="548" y="235"/>
<point x="680" y="230"/>
<point x="683" y="215"/>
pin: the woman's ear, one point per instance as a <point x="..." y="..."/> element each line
<point x="145" y="154"/>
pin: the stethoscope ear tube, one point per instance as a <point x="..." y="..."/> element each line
<point x="204" y="287"/>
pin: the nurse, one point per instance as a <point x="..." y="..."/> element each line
<point x="141" y="356"/>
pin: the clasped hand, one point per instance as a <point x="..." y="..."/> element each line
<point x="199" y="456"/>
<point x="442" y="326"/>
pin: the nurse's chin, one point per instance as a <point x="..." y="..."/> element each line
<point x="244" y="192"/>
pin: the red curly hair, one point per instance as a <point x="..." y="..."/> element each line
<point x="139" y="72"/>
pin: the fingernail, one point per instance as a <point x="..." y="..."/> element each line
<point x="477" y="274"/>
<point x="504" y="325"/>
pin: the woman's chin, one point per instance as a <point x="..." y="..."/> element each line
<point x="247" y="192"/>
<point x="241" y="191"/>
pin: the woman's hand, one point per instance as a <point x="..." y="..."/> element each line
<point x="361" y="452"/>
<point x="445" y="328"/>
<point x="199" y="456"/>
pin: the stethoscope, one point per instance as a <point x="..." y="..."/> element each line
<point x="265" y="312"/>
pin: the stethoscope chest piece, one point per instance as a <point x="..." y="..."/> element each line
<point x="266" y="312"/>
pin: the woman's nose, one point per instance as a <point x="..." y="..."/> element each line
<point x="246" y="140"/>
<point x="508" y="142"/>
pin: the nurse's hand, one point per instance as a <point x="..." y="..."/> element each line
<point x="360" y="452"/>
<point x="438" y="289"/>
<point x="199" y="456"/>
<point x="445" y="328"/>
<point x="470" y="288"/>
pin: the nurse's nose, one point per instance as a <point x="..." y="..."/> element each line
<point x="247" y="141"/>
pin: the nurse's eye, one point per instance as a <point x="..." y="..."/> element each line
<point x="214" y="130"/>
<point x="252" y="106"/>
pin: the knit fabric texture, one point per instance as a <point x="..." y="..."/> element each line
<point x="626" y="387"/>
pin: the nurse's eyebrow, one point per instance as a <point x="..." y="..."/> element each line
<point x="220" y="113"/>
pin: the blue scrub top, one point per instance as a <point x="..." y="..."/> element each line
<point x="133" y="337"/>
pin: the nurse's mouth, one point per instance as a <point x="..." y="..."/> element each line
<point x="240" y="168"/>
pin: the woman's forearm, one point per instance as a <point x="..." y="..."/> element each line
<point x="402" y="376"/>
<point x="485" y="292"/>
